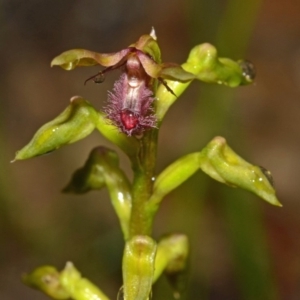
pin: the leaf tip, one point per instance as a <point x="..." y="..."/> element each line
<point x="277" y="203"/>
<point x="54" y="62"/>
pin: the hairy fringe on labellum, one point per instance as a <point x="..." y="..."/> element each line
<point x="129" y="106"/>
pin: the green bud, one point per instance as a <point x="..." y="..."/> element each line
<point x="220" y="162"/>
<point x="102" y="169"/>
<point x="92" y="175"/>
<point x="222" y="70"/>
<point x="171" y="256"/>
<point x="47" y="280"/>
<point x="204" y="63"/>
<point x="75" y="123"/>
<point x="138" y="267"/>
<point x="78" y="287"/>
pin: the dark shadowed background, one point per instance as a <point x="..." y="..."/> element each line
<point x="241" y="247"/>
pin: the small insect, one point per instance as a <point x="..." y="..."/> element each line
<point x="98" y="78"/>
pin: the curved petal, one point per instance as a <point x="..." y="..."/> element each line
<point x="71" y="59"/>
<point x="151" y="67"/>
<point x="169" y="71"/>
<point x="175" y="72"/>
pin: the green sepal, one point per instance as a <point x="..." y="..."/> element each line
<point x="71" y="59"/>
<point x="175" y="72"/>
<point x="220" y="162"/>
<point x="138" y="267"/>
<point x="169" y="71"/>
<point x="47" y="280"/>
<point x="150" y="58"/>
<point x="147" y="44"/>
<point x="75" y="123"/>
<point x="102" y="169"/>
<point x="79" y="287"/>
<point x="146" y="49"/>
<point x="222" y="70"/>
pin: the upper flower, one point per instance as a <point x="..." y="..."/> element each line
<point x="129" y="106"/>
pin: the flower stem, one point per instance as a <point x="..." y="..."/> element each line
<point x="144" y="170"/>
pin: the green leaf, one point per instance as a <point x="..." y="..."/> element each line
<point x="75" y="123"/>
<point x="220" y="162"/>
<point x="175" y="72"/>
<point x="102" y="169"/>
<point x="78" y="287"/>
<point x="71" y="59"/>
<point x="138" y="267"/>
<point x="47" y="280"/>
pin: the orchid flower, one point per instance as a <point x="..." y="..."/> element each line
<point x="130" y="105"/>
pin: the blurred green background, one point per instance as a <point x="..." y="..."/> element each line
<point x="241" y="247"/>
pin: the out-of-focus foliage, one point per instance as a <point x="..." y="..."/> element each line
<point x="36" y="221"/>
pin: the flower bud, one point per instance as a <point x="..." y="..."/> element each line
<point x="138" y="267"/>
<point x="220" y="70"/>
<point x="78" y="287"/>
<point x="220" y="162"/>
<point x="75" y="123"/>
<point x="47" y="280"/>
<point x="91" y="176"/>
<point x="102" y="169"/>
<point x="171" y="258"/>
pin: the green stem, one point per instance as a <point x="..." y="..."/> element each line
<point x="144" y="170"/>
